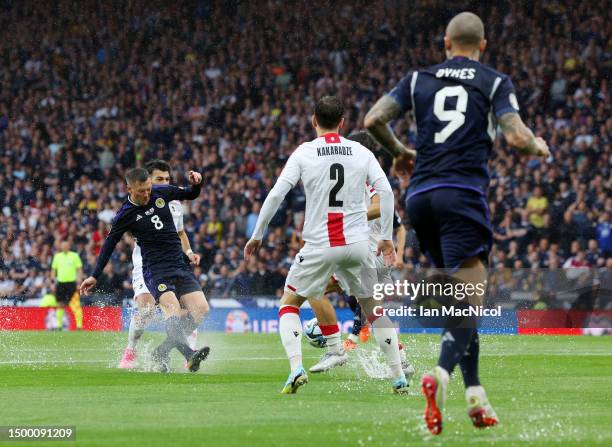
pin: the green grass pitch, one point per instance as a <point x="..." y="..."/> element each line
<point x="546" y="390"/>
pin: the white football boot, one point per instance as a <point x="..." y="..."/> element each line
<point x="329" y="361"/>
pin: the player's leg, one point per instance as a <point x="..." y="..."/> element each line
<point x="197" y="306"/>
<point x="457" y="339"/>
<point x="358" y="272"/>
<point x="479" y="409"/>
<point x="193" y="299"/>
<point x="355" y="335"/>
<point x="308" y="277"/>
<point x="386" y="336"/>
<point x="425" y="223"/>
<point x="383" y="276"/>
<point x="350" y="342"/>
<point x="328" y="323"/>
<point x="197" y="309"/>
<point x="192" y="339"/>
<point x="142" y="316"/>
<point x="290" y="331"/>
<point x="463" y="238"/>
<point x="175" y="330"/>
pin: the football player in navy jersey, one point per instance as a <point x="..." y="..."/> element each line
<point x="456" y="107"/>
<point x="167" y="273"/>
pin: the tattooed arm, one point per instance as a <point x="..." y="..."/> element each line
<point x="518" y="135"/>
<point x="376" y="122"/>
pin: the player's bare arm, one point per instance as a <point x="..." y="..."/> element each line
<point x="401" y="244"/>
<point x="87" y="285"/>
<point x="194" y="258"/>
<point x="518" y="135"/>
<point x="377" y="121"/>
<point x="251" y="248"/>
<point x="374" y="208"/>
<point x="388" y="251"/>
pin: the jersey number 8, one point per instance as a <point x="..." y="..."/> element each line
<point x="157" y="222"/>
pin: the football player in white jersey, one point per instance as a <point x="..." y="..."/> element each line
<point x="333" y="171"/>
<point x="145" y="303"/>
<point x="322" y="306"/>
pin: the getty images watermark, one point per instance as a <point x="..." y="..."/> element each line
<point x="455" y="299"/>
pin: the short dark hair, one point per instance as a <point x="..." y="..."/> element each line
<point x="466" y="30"/>
<point x="136" y="175"/>
<point x="329" y="110"/>
<point x="363" y="137"/>
<point x="158" y="164"/>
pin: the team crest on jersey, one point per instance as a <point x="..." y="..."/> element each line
<point x="162" y="287"/>
<point x="160" y="203"/>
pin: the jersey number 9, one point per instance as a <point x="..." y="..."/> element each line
<point x="456" y="117"/>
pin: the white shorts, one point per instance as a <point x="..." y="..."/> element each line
<point x="138" y="283"/>
<point x="312" y="269"/>
<point x="383" y="273"/>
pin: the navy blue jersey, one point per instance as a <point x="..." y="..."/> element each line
<point x="153" y="228"/>
<point x="455" y="105"/>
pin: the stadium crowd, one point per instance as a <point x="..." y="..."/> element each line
<point x="227" y="89"/>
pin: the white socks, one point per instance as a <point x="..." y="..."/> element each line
<point x="332" y="338"/>
<point x="476" y="396"/>
<point x="386" y="336"/>
<point x="141" y="318"/>
<point x="290" y="329"/>
<point x="442" y="374"/>
<point x="192" y="339"/>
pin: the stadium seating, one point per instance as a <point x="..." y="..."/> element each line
<point x="111" y="85"/>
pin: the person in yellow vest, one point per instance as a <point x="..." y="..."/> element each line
<point x="67" y="269"/>
<point x="536" y="207"/>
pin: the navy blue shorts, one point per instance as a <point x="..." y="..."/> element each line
<point x="181" y="282"/>
<point x="451" y="225"/>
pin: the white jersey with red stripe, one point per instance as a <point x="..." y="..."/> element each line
<point x="333" y="171"/>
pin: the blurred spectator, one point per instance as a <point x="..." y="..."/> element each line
<point x="536" y="207"/>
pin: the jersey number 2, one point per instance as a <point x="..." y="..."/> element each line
<point x="157" y="222"/>
<point x="455" y="117"/>
<point x="336" y="172"/>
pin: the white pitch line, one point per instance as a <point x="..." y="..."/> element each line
<point x="251" y="359"/>
<point x="416" y="354"/>
<point x="49" y="362"/>
<point x="230" y="359"/>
